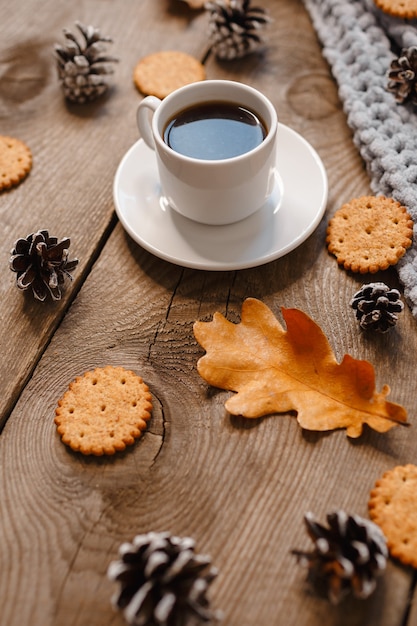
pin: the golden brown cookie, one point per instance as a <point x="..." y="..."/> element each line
<point x="406" y="9"/>
<point x="103" y="411"/>
<point x="15" y="161"/>
<point x="393" y="506"/>
<point x="369" y="233"/>
<point x="162" y="72"/>
<point x="196" y="4"/>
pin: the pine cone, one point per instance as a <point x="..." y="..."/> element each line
<point x="348" y="555"/>
<point x="402" y="76"/>
<point x="42" y="263"/>
<point x="376" y="306"/>
<point x="82" y="68"/>
<point x="234" y="28"/>
<point x="161" y="581"/>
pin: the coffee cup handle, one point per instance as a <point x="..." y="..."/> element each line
<point x="144" y="119"/>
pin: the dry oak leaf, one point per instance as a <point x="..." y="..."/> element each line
<point x="276" y="371"/>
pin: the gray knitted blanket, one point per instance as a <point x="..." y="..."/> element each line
<point x="359" y="42"/>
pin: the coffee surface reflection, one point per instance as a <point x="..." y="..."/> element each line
<point x="214" y="131"/>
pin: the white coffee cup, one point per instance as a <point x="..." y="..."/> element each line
<point x="212" y="191"/>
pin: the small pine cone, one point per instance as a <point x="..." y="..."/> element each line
<point x="162" y="581"/>
<point x="348" y="555"/>
<point x="82" y="68"/>
<point x="402" y="76"/>
<point x="234" y="28"/>
<point x="376" y="306"/>
<point x="41" y="262"/>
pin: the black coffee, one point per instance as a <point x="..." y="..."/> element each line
<point x="213" y="131"/>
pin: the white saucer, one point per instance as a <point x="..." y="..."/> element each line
<point x="290" y="215"/>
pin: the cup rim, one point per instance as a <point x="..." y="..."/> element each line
<point x="214" y="162"/>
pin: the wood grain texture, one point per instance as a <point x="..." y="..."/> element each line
<point x="239" y="487"/>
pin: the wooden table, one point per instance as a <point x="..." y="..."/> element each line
<point x="239" y="487"/>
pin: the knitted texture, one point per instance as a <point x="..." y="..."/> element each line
<point x="359" y="41"/>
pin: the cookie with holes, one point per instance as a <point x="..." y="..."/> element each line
<point x="15" y="161"/>
<point x="369" y="234"/>
<point x="393" y="506"/>
<point x="405" y="9"/>
<point x="160" y="73"/>
<point x="103" y="411"/>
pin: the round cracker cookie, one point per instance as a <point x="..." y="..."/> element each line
<point x="103" y="411"/>
<point x="393" y="506"/>
<point x="15" y="161"/>
<point x="406" y="9"/>
<point x="369" y="233"/>
<point x="161" y="73"/>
